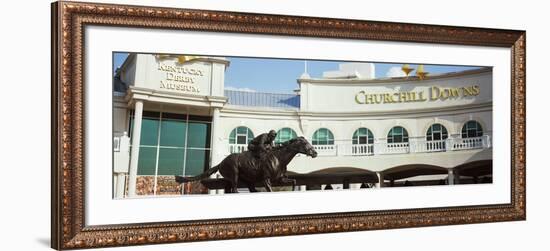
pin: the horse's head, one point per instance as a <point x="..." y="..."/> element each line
<point x="301" y="145"/>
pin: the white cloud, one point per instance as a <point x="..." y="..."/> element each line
<point x="245" y="89"/>
<point x="395" y="72"/>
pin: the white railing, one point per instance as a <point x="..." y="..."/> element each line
<point x="391" y="148"/>
<point x="326" y="150"/>
<point x="469" y="143"/>
<point x="237" y="148"/>
<point x="429" y="146"/>
<point x="357" y="149"/>
<point x="414" y="146"/>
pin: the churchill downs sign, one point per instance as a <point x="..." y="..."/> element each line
<point x="433" y="93"/>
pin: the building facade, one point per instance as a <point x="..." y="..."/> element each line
<point x="172" y="116"/>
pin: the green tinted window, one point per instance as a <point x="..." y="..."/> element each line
<point x="171" y="161"/>
<point x="147" y="160"/>
<point x="149" y="132"/>
<point x="240" y="135"/>
<point x="363" y="136"/>
<point x="250" y="136"/>
<point x="232" y="136"/>
<point x="472" y="129"/>
<point x="285" y="134"/>
<point x="199" y="135"/>
<point x="242" y="130"/>
<point x="323" y="136"/>
<point x="176" y="145"/>
<point x="196" y="161"/>
<point x="398" y="134"/>
<point x="436" y="132"/>
<point x="172" y="133"/>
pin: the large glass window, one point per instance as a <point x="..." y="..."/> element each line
<point x="362" y="136"/>
<point x="173" y="144"/>
<point x="323" y="136"/>
<point x="285" y="134"/>
<point x="472" y="129"/>
<point x="241" y="135"/>
<point x="398" y="134"/>
<point x="198" y="147"/>
<point x="147" y="162"/>
<point x="437" y="132"/>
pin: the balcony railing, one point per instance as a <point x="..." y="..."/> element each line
<point x="413" y="146"/>
<point x="357" y="149"/>
<point x="326" y="150"/>
<point x="470" y="143"/>
<point x="237" y="148"/>
<point x="392" y="148"/>
<point x="430" y="146"/>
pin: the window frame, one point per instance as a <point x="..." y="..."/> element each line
<point x="293" y="135"/>
<point x="356" y="138"/>
<point x="465" y="132"/>
<point x="249" y="135"/>
<point x="187" y="119"/>
<point x="329" y="139"/>
<point x="431" y="132"/>
<point x="391" y="136"/>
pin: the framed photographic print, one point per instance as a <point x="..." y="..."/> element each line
<point x="175" y="125"/>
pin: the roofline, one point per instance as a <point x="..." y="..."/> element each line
<point x="264" y="111"/>
<point x="257" y="92"/>
<point x="411" y="79"/>
<point x="130" y="57"/>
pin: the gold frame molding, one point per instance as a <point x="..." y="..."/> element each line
<point x="67" y="177"/>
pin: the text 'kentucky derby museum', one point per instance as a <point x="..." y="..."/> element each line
<point x="173" y="116"/>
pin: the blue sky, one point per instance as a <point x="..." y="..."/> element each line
<point x="279" y="75"/>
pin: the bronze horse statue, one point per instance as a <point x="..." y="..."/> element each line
<point x="270" y="167"/>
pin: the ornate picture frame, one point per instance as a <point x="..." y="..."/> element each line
<point x="69" y="20"/>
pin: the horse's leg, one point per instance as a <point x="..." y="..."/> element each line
<point x="287" y="180"/>
<point x="232" y="174"/>
<point x="228" y="186"/>
<point x="252" y="187"/>
<point x="231" y="183"/>
<point x="235" y="184"/>
<point x="267" y="184"/>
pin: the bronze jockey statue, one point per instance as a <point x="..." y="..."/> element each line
<point x="260" y="145"/>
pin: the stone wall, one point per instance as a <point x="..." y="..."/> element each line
<point x="166" y="185"/>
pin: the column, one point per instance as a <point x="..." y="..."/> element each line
<point x="451" y="177"/>
<point x="214" y="146"/>
<point x="136" y="138"/>
<point x="120" y="184"/>
<point x="380" y="183"/>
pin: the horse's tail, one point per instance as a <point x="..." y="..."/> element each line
<point x="210" y="171"/>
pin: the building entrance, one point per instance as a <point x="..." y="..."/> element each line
<point x="171" y="144"/>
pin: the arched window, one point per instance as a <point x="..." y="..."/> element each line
<point x="285" y="134"/>
<point x="437" y="132"/>
<point x="398" y="134"/>
<point x="362" y="136"/>
<point x="323" y="136"/>
<point x="472" y="129"/>
<point x="241" y="136"/>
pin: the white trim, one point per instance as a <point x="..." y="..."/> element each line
<point x="228" y="110"/>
